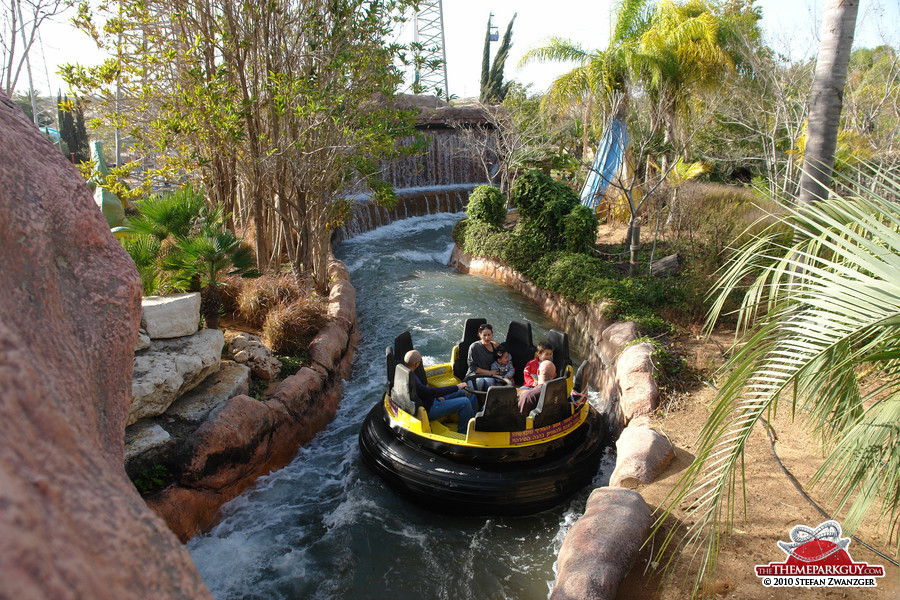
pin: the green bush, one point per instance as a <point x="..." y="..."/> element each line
<point x="487" y="205"/>
<point x="530" y="192"/>
<point x="580" y="229"/>
<point x="543" y="205"/>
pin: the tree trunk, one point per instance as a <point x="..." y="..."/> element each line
<point x="826" y="97"/>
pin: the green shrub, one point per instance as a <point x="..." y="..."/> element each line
<point x="580" y="229"/>
<point x="487" y="205"/>
<point x="543" y="206"/>
<point x="530" y="192"/>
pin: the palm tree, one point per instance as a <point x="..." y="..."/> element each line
<point x="679" y="54"/>
<point x="601" y="75"/>
<point x="824" y="307"/>
<point x="204" y="258"/>
<point x="838" y="24"/>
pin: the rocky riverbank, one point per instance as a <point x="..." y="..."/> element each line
<point x="217" y="439"/>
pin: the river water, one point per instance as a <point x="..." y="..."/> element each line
<point x="326" y="527"/>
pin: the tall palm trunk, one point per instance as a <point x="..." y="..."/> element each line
<point x="826" y="96"/>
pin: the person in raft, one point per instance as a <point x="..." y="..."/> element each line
<point x="529" y="398"/>
<point x="481" y="356"/>
<point x="441" y="401"/>
<point x="544" y="352"/>
<point x="503" y="369"/>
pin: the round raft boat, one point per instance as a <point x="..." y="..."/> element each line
<point x="506" y="463"/>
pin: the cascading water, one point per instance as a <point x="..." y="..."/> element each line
<point x="324" y="526"/>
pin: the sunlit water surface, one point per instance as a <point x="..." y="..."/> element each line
<point x="326" y="527"/>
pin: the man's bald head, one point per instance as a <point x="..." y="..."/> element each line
<point x="412" y="358"/>
<point x="546" y="371"/>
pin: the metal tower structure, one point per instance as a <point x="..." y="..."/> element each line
<point x="431" y="68"/>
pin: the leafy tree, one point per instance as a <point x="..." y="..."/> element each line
<point x="72" y="130"/>
<point x="276" y="102"/>
<point x="493" y="88"/>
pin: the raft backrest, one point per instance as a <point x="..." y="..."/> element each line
<point x="391" y="364"/>
<point x="404" y="392"/>
<point x="403" y="344"/>
<point x="521" y="349"/>
<point x="553" y="404"/>
<point x="470" y="335"/>
<point x="580" y="380"/>
<point x="560" y="342"/>
<point x="501" y="411"/>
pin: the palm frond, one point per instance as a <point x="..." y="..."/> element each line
<point x="818" y="309"/>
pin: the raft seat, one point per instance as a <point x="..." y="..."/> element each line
<point x="470" y="335"/>
<point x="500" y="412"/>
<point x="521" y="349"/>
<point x="553" y="404"/>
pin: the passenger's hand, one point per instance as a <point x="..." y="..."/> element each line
<point x="495" y="372"/>
<point x="440" y="399"/>
<point x="461" y="385"/>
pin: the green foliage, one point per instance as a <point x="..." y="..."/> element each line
<point x="152" y="478"/>
<point x="530" y="192"/>
<point x="576" y="276"/>
<point x="488" y="205"/>
<point x="179" y="244"/>
<point x="144" y="251"/>
<point x="290" y="365"/>
<point x="580" y="229"/>
<point x="544" y="205"/>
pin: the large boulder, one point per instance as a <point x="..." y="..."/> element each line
<point x="641" y="455"/>
<point x="169" y="368"/>
<point x="599" y="548"/>
<point x="637" y="387"/>
<point x="73" y="526"/>
<point x="164" y="317"/>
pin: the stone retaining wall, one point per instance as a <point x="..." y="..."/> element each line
<point x="247" y="438"/>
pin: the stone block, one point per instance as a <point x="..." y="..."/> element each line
<point x="144" y="437"/>
<point x="165" y="317"/>
<point x="229" y="381"/>
<point x="170" y="368"/>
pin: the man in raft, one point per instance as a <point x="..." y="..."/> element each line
<point x="441" y="401"/>
<point x="528" y="399"/>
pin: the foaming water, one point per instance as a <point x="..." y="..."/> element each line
<point x="324" y="526"/>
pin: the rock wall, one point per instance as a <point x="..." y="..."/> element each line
<point x="72" y="524"/>
<point x="246" y="438"/>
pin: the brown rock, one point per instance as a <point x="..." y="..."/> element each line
<point x="641" y="454"/>
<point x="615" y="336"/>
<point x="72" y="524"/>
<point x="598" y="550"/>
<point x="328" y="346"/>
<point x="638" y="391"/>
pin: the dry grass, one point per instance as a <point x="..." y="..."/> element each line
<point x="289" y="328"/>
<point x="258" y="297"/>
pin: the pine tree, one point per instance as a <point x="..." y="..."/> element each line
<point x="66" y="126"/>
<point x="82" y="143"/>
<point x="493" y="89"/>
